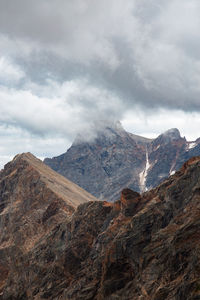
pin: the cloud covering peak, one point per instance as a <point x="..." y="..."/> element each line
<point x="65" y="64"/>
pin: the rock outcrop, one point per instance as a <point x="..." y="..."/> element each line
<point x="35" y="203"/>
<point x="116" y="159"/>
<point x="139" y="247"/>
<point x="105" y="165"/>
<point x="152" y="252"/>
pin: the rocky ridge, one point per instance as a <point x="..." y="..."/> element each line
<point x="139" y="247"/>
<point x="105" y="165"/>
<point x="116" y="159"/>
<point x="35" y="202"/>
<point x="145" y="247"/>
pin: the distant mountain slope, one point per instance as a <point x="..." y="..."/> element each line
<point x="105" y="165"/>
<point x="116" y="159"/>
<point x="34" y="200"/>
<point x="167" y="153"/>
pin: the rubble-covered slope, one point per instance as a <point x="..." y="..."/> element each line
<point x="140" y="247"/>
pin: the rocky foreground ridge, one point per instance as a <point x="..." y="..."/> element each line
<point x="115" y="159"/>
<point x="35" y="201"/>
<point x="139" y="247"/>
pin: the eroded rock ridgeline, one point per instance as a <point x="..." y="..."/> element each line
<point x="35" y="202"/>
<point x="139" y="247"/>
<point x="116" y="159"/>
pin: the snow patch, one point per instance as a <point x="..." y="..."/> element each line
<point x="191" y="145"/>
<point x="172" y="172"/>
<point x="157" y="147"/>
<point x="143" y="174"/>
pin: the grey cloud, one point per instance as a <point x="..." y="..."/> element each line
<point x="146" y="52"/>
<point x="73" y="62"/>
<point x="16" y="140"/>
<point x="57" y="109"/>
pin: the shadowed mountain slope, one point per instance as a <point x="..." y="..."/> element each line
<point x="144" y="247"/>
<point x="139" y="247"/>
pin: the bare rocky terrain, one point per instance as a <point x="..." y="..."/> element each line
<point x="35" y="201"/>
<point x="143" y="246"/>
<point x="115" y="159"/>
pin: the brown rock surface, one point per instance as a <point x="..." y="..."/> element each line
<point x="35" y="202"/>
<point x="138" y="248"/>
<point x="151" y="253"/>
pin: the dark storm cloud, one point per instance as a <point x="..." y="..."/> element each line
<point x="82" y="60"/>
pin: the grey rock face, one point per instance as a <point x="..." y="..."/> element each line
<point x="105" y="165"/>
<point x="116" y="159"/>
<point x="171" y="134"/>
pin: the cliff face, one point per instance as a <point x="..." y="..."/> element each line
<point x="139" y="247"/>
<point x="144" y="247"/>
<point x="116" y="159"/>
<point x="105" y="165"/>
<point x="35" y="202"/>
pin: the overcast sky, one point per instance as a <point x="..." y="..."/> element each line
<point x="65" y="64"/>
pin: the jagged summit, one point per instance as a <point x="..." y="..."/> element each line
<point x="104" y="165"/>
<point x="116" y="159"/>
<point x="110" y="130"/>
<point x="169" y="135"/>
<point x="173" y="134"/>
<point x="107" y="129"/>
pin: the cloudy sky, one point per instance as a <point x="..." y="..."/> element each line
<point x="65" y="64"/>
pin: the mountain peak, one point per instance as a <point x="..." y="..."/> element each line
<point x="170" y="135"/>
<point x="28" y="156"/>
<point x="27" y="163"/>
<point x="173" y="134"/>
<point x="35" y="202"/>
<point x="107" y="128"/>
<point x="116" y="159"/>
